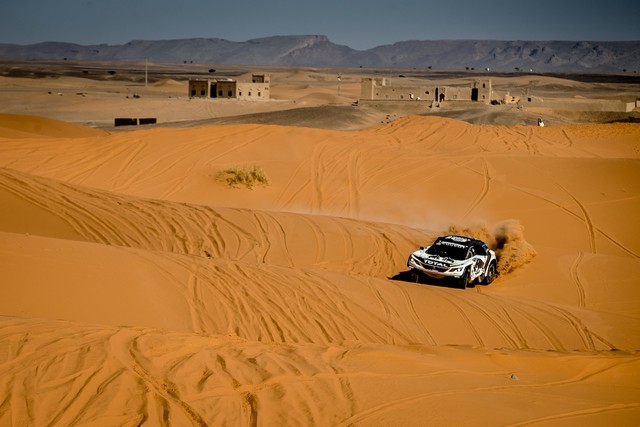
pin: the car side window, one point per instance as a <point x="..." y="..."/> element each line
<point x="481" y="250"/>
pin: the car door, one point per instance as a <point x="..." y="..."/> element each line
<point x="478" y="261"/>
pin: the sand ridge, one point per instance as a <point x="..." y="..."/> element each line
<point x="138" y="287"/>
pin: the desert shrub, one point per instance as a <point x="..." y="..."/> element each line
<point x="246" y="176"/>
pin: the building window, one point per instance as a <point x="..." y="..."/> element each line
<point x="193" y="92"/>
<point x="249" y="93"/>
<point x="483" y="85"/>
<point x="258" y="94"/>
<point x="239" y="93"/>
<point x="202" y="92"/>
<point x="230" y="94"/>
<point x="220" y="93"/>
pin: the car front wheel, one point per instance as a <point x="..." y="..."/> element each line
<point x="414" y="276"/>
<point x="465" y="280"/>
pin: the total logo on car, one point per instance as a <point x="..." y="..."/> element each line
<point x="464" y="260"/>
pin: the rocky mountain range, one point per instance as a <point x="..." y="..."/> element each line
<point x="319" y="51"/>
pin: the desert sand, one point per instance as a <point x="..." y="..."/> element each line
<point x="140" y="288"/>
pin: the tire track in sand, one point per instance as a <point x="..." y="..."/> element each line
<point x="592" y="229"/>
<point x="504" y="312"/>
<point x="583" y="330"/>
<point x="465" y="317"/>
<point x="288" y="194"/>
<point x="566" y="417"/>
<point x="317" y="172"/>
<point x="416" y="317"/>
<point x="570" y="143"/>
<point x="485" y="188"/>
<point x="585" y="217"/>
<point x="575" y="279"/>
<point x="573" y="323"/>
<point x="580" y="218"/>
<point x="123" y="347"/>
<point x="80" y="400"/>
<point x="491" y="320"/>
<point x="360" y="417"/>
<point x="354" y="183"/>
<point x="547" y="333"/>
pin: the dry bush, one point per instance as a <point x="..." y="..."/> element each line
<point x="246" y="176"/>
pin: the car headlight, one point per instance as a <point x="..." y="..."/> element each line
<point x="457" y="269"/>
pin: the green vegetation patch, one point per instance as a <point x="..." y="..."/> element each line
<point x="245" y="176"/>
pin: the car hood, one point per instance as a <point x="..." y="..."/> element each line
<point x="436" y="260"/>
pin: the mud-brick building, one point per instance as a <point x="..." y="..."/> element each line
<point x="378" y="89"/>
<point x="255" y="87"/>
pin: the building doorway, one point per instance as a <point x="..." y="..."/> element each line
<point x="213" y="90"/>
<point x="474" y="94"/>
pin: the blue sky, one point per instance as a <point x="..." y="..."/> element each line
<point x="355" y="23"/>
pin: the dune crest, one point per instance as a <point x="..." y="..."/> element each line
<point x="22" y="126"/>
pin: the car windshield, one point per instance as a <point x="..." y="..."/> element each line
<point x="448" y="251"/>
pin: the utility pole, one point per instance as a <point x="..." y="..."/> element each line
<point x="339" y="79"/>
<point x="146" y="72"/>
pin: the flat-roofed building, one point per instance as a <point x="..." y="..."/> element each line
<point x="379" y="89"/>
<point x="254" y="88"/>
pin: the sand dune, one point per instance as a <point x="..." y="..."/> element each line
<point x="18" y="126"/>
<point x="259" y="246"/>
<point x="185" y="379"/>
<point x="138" y="287"/>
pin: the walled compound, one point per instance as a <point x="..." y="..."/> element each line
<point x="247" y="89"/>
<point x="378" y="89"/>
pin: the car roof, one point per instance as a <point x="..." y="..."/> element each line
<point x="460" y="240"/>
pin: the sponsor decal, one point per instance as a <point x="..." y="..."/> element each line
<point x="435" y="263"/>
<point x="456" y="245"/>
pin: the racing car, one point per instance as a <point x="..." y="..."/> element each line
<point x="464" y="260"/>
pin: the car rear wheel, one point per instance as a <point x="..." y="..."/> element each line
<point x="490" y="274"/>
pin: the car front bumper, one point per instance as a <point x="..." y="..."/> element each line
<point x="440" y="273"/>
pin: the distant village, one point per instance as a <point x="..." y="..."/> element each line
<point x="379" y="90"/>
<point x="256" y="87"/>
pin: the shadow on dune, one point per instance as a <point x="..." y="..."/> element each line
<point x="333" y="117"/>
<point x="408" y="276"/>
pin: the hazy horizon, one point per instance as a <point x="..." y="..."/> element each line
<point x="358" y="24"/>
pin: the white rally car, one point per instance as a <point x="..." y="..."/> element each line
<point x="463" y="259"/>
